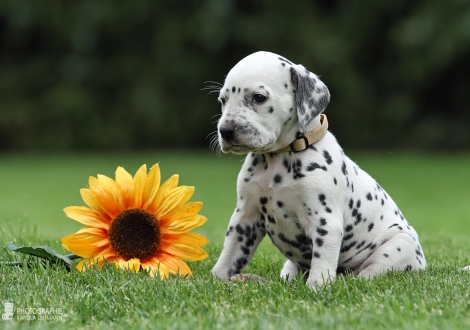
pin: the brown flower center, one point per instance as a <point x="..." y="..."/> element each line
<point x="135" y="233"/>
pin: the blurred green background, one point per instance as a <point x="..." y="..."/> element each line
<point x="86" y="86"/>
<point x="431" y="189"/>
<point x="127" y="75"/>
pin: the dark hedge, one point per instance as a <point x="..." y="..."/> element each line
<point x="130" y="74"/>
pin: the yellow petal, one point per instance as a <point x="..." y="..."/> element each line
<point x="112" y="188"/>
<point x="151" y="186"/>
<point x="140" y="178"/>
<point x="187" y="195"/>
<point x="108" y="253"/>
<point x="184" y="211"/>
<point x="154" y="267"/>
<point x="87" y="263"/>
<point x="87" y="242"/>
<point x="86" y="216"/>
<point x="174" y="264"/>
<point x="89" y="233"/>
<point x="87" y="196"/>
<point x="189" y="238"/>
<point x="125" y="184"/>
<point x="81" y="265"/>
<point x="83" y="250"/>
<point x="169" y="202"/>
<point x="106" y="195"/>
<point x="164" y="190"/>
<point x="84" y="236"/>
<point x="131" y="264"/>
<point x="183" y="250"/>
<point x="180" y="226"/>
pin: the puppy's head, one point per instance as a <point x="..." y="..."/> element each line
<point x="266" y="102"/>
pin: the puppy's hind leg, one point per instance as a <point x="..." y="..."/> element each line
<point x="289" y="270"/>
<point x="400" y="252"/>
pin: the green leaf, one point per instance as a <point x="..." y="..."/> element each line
<point x="45" y="252"/>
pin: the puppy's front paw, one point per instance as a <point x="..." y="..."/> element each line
<point x="245" y="277"/>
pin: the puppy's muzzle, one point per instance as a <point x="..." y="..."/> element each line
<point x="227" y="132"/>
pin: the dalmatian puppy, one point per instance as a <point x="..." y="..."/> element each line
<point x="324" y="213"/>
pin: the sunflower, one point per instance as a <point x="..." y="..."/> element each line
<point x="137" y="224"/>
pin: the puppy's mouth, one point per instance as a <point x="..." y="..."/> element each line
<point x="234" y="148"/>
<point x="241" y="149"/>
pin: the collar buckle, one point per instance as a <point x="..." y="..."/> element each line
<point x="302" y="137"/>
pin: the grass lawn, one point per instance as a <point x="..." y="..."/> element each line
<point x="431" y="190"/>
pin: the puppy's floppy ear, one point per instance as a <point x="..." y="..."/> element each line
<point x="311" y="95"/>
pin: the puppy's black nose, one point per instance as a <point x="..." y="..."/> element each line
<point x="227" y="131"/>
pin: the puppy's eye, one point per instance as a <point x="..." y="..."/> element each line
<point x="259" y="98"/>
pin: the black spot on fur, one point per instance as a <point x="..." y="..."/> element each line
<point x="369" y="197"/>
<point x="286" y="165"/>
<point x="348" y="236"/>
<point x="360" y="244"/>
<point x="343" y="169"/>
<point x="277" y="178"/>
<point x="351" y="203"/>
<point x="271" y="109"/>
<point x="348" y="246"/>
<point x="280" y="204"/>
<point x="240" y="263"/>
<point x="319" y="241"/>
<point x="371" y="225"/>
<point x="283" y="238"/>
<point x="322" y="221"/>
<point x="297" y="169"/>
<point x="322" y="198"/>
<point x="245" y="250"/>
<point x="327" y="156"/>
<point x="322" y="232"/>
<point x="314" y="166"/>
<point x="271" y="219"/>
<point x="358" y="219"/>
<point x="316" y="255"/>
<point x="229" y="231"/>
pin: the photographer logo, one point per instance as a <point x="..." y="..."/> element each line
<point x="8" y="315"/>
<point x="32" y="313"/>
